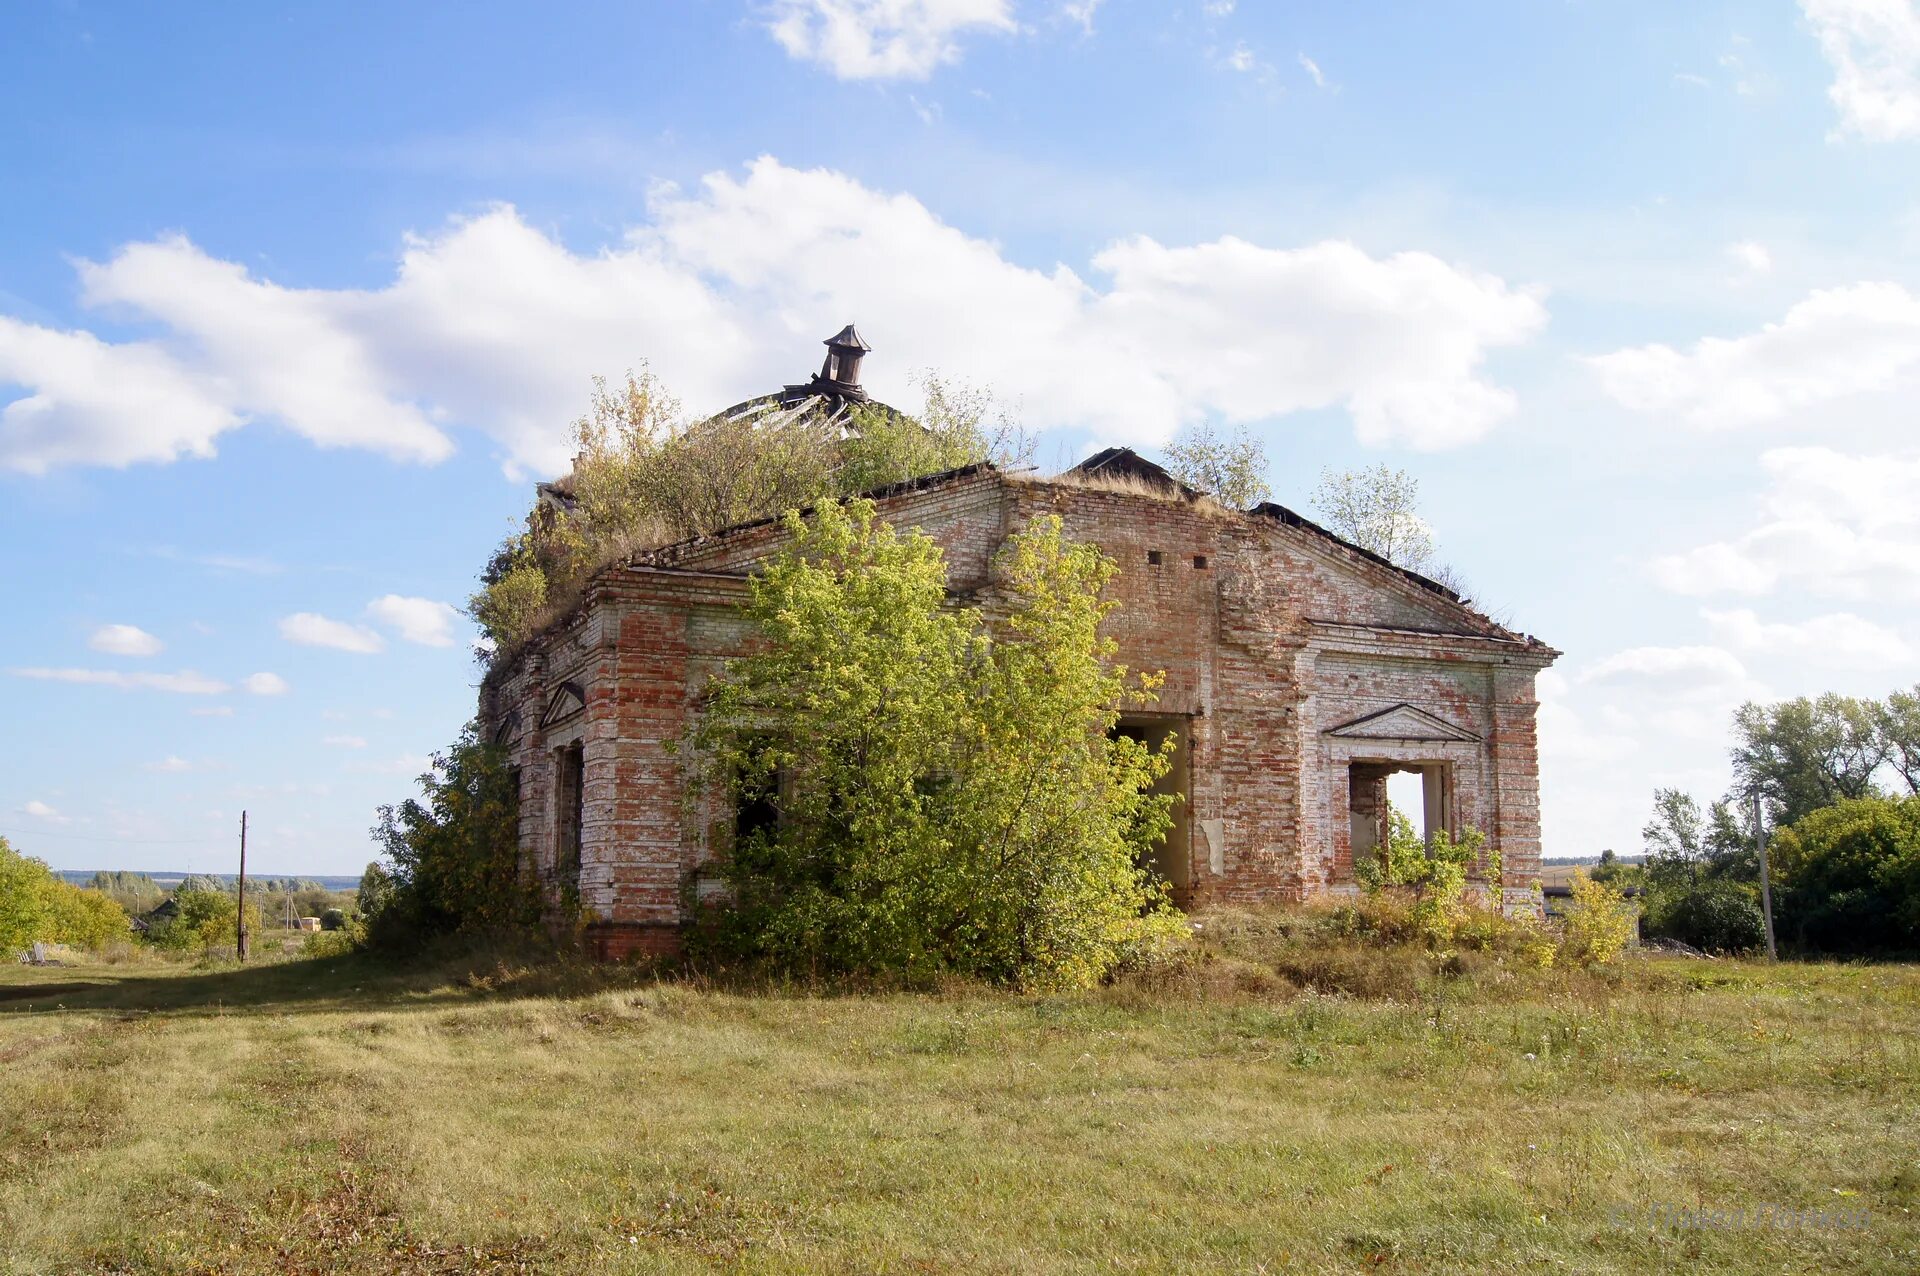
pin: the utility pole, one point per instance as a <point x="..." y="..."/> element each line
<point x="240" y="944"/>
<point x="1766" y="881"/>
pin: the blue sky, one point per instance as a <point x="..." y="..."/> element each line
<point x="296" y="302"/>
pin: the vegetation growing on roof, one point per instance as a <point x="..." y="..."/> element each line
<point x="645" y="476"/>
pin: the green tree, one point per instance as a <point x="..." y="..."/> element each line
<point x="1899" y="729"/>
<point x="1233" y="470"/>
<point x="944" y="797"/>
<point x="1850" y="876"/>
<point x="1378" y="509"/>
<point x="23" y="901"/>
<point x="38" y="906"/>
<point x="376" y="890"/>
<point x="1805" y="754"/>
<point x="455" y="855"/>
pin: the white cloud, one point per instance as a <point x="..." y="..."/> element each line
<point x="1080" y="12"/>
<point x="310" y="629"/>
<point x="886" y="39"/>
<point x="1313" y="71"/>
<point x="1240" y="58"/>
<point x="1833" y="525"/>
<point x="1841" y="639"/>
<point x="186" y="682"/>
<point x="1874" y="49"/>
<point x="728" y="291"/>
<point x="1837" y="342"/>
<point x="344" y="741"/>
<point x="169" y="765"/>
<point x="91" y="402"/>
<point x="264" y="684"/>
<point x="41" y="811"/>
<point x="420" y="620"/>
<point x="1751" y="255"/>
<point x="125" y="640"/>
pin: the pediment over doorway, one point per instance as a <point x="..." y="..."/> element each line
<point x="570" y="699"/>
<point x="1401" y="722"/>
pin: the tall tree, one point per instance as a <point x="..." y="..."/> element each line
<point x="1899" y="718"/>
<point x="1804" y="754"/>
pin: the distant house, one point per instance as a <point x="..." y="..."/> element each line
<point x="159" y="915"/>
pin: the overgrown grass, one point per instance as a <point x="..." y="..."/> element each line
<point x="1285" y="1100"/>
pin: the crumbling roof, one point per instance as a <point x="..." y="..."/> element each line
<point x="1124" y="462"/>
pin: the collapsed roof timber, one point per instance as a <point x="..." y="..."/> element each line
<point x="1301" y="672"/>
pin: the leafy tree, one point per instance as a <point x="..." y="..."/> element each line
<point x="38" y="906"/>
<point x="1899" y="729"/>
<point x="134" y="892"/>
<point x="1850" y="876"/>
<point x="1802" y="755"/>
<point x="1233" y="470"/>
<point x="455" y="856"/>
<point x="945" y="797"/>
<point x="23" y="902"/>
<point x="1675" y="838"/>
<point x="1613" y="870"/>
<point x="376" y="890"/>
<point x="1378" y="509"/>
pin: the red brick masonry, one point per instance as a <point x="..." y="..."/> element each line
<point x="1301" y="669"/>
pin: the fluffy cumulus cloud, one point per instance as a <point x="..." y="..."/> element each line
<point x="420" y="620"/>
<point x="125" y="640"/>
<point x="889" y="39"/>
<point x="41" y="811"/>
<point x="1836" y="343"/>
<point x="264" y="684"/>
<point x="1873" y="47"/>
<point x="1831" y="524"/>
<point x="310" y="629"/>
<point x="727" y="290"/>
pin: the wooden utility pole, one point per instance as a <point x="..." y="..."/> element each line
<point x="1766" y="881"/>
<point x="240" y="939"/>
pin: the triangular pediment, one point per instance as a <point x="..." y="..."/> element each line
<point x="509" y="729"/>
<point x="567" y="701"/>
<point x="1401" y="722"/>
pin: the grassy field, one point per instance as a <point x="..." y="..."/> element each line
<point x="1235" y="1117"/>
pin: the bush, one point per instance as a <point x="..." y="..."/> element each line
<point x="206" y="923"/>
<point x="1433" y="871"/>
<point x="333" y="919"/>
<point x="1714" y="915"/>
<point x="1598" y="925"/>
<point x="1850" y="876"/>
<point x="456" y="856"/>
<point x="944" y="800"/>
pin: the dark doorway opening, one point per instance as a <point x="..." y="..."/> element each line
<point x="1171" y="858"/>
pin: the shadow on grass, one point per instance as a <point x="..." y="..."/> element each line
<point x="354" y="982"/>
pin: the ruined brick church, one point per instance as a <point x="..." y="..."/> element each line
<point x="1301" y="671"/>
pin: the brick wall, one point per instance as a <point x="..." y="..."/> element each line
<point x="1271" y="636"/>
